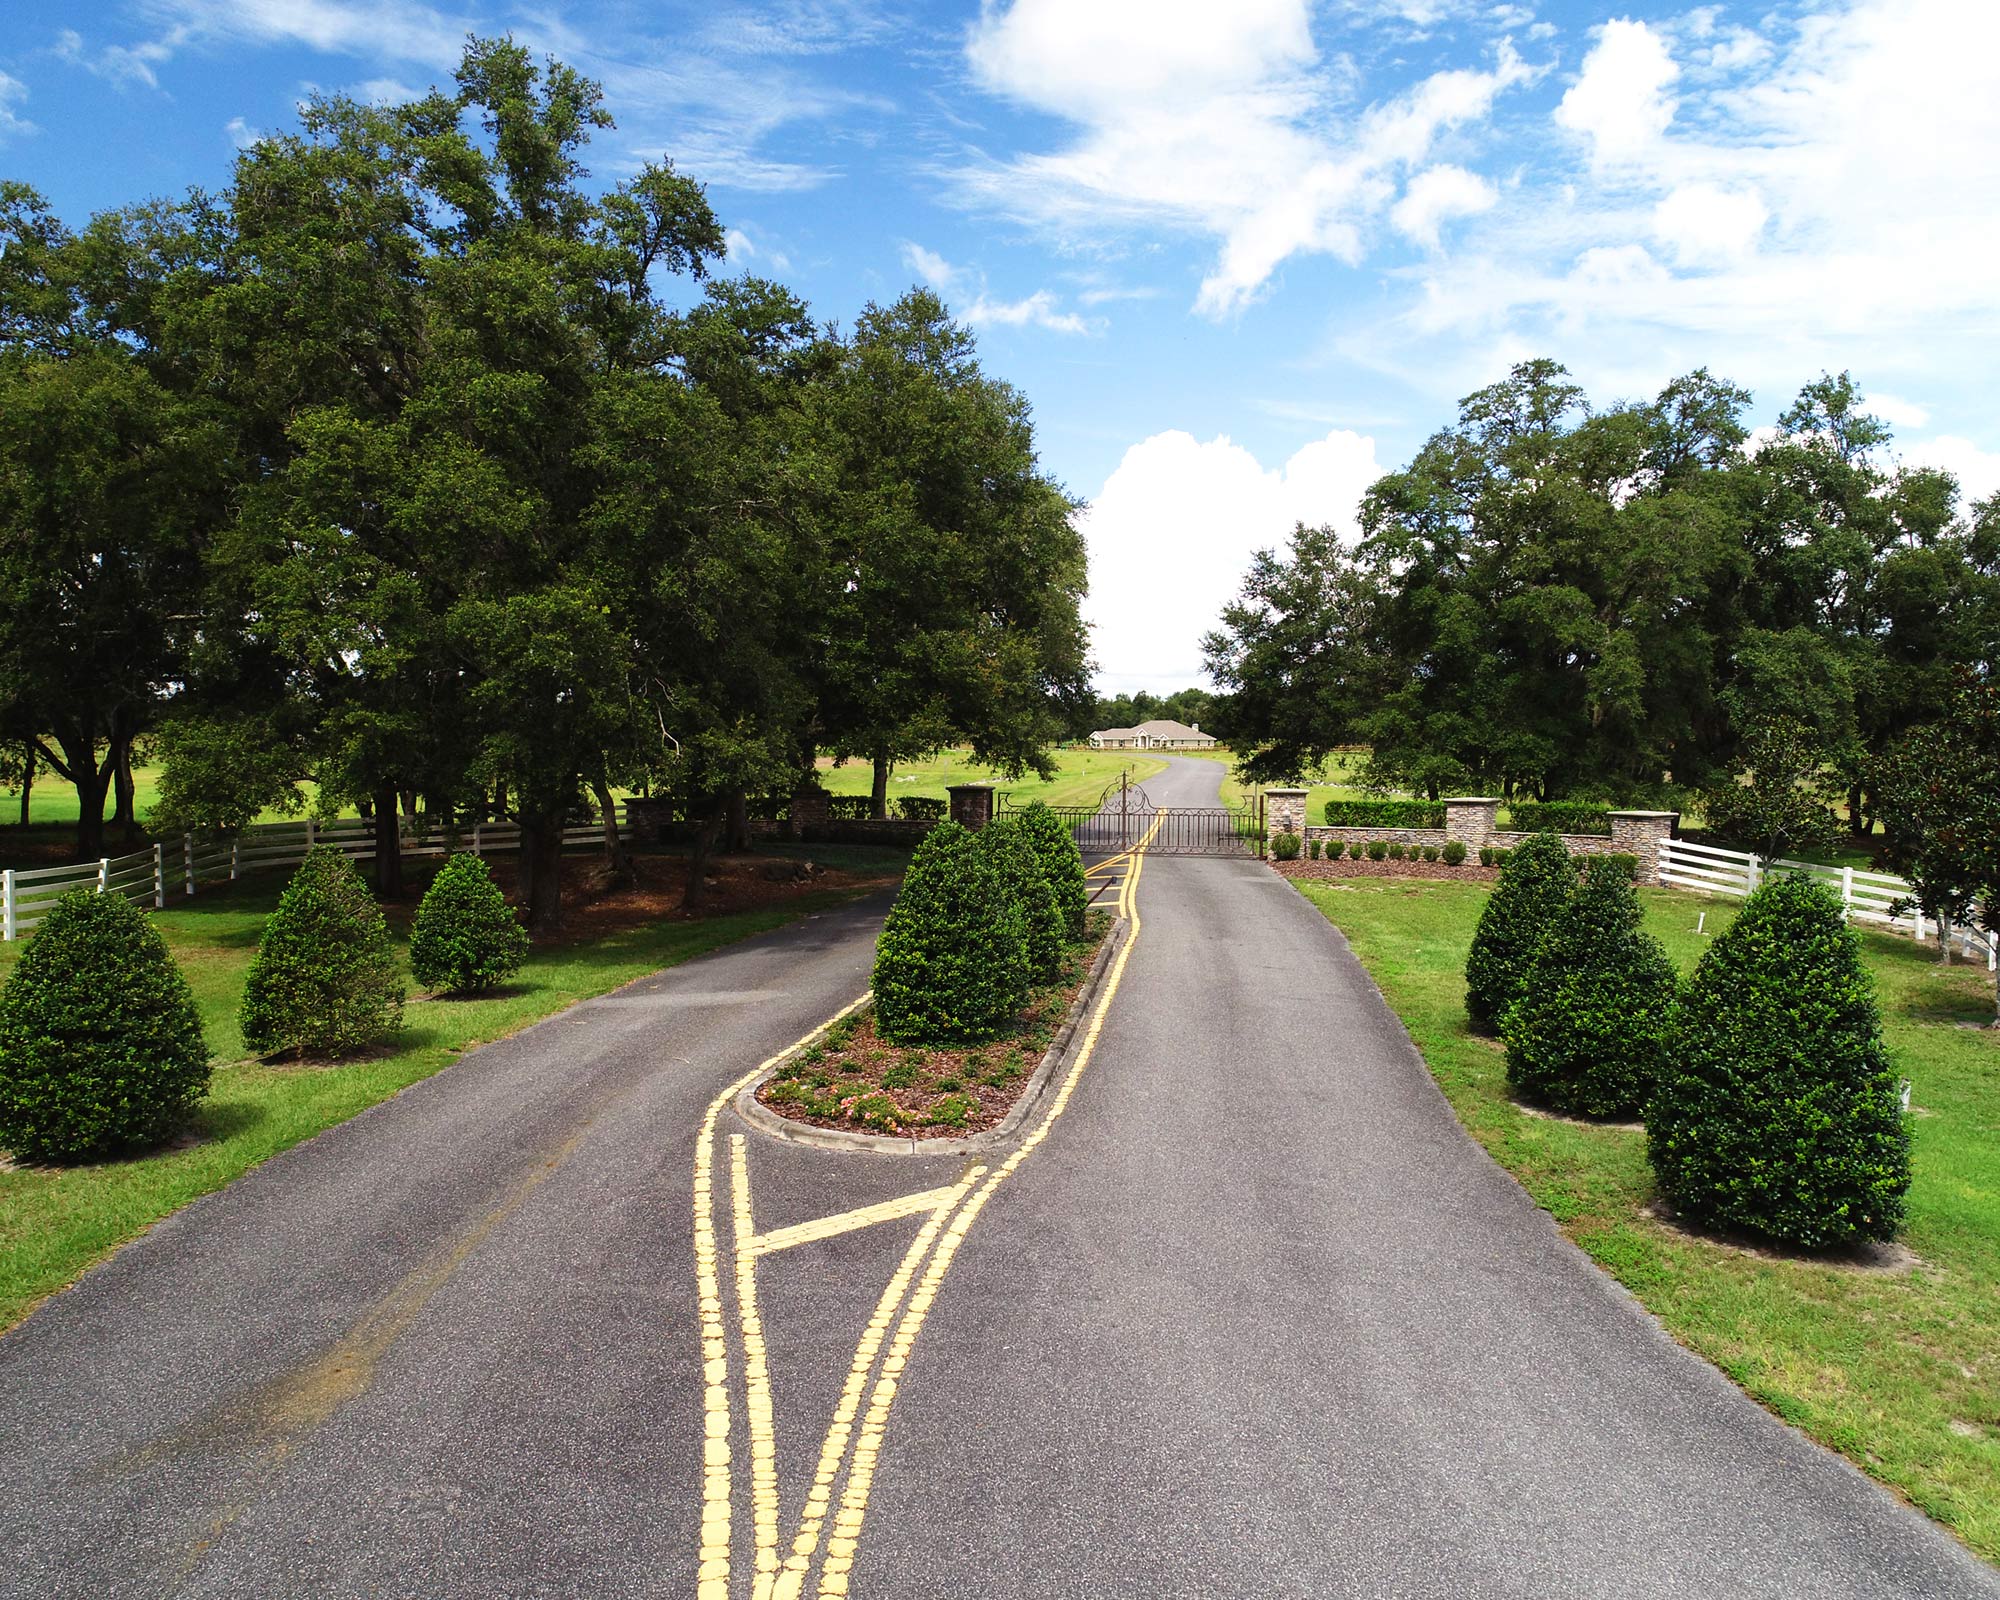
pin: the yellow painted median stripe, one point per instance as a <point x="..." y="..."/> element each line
<point x="712" y="1575"/>
<point x="907" y="1205"/>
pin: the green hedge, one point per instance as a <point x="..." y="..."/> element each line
<point x="1061" y="864"/>
<point x="1777" y="1111"/>
<point x="324" y="981"/>
<point x="101" y="1049"/>
<point x="1011" y="854"/>
<point x="1384" y="814"/>
<point x="951" y="965"/>
<point x="1560" y="816"/>
<point x="1584" y="1037"/>
<point x="1535" y="882"/>
<point x="466" y="939"/>
<point x="922" y="807"/>
<point x="1285" y="847"/>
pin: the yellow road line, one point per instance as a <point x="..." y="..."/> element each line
<point x="833" y="1452"/>
<point x="712" y="1576"/>
<point x="756" y="1381"/>
<point x="907" y="1205"/>
<point x="861" y="1477"/>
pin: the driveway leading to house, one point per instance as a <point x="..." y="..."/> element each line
<point x="1250" y="1316"/>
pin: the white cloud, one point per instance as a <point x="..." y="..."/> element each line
<point x="741" y="247"/>
<point x="1172" y="532"/>
<point x="12" y="92"/>
<point x="1620" y="103"/>
<point x="241" y="134"/>
<point x="1436" y="195"/>
<point x="1040" y="310"/>
<point x="1898" y="412"/>
<point x="1977" y="470"/>
<point x="1709" y="226"/>
<point x="1827" y="207"/>
<point x="385" y="92"/>
<point x="1213" y="120"/>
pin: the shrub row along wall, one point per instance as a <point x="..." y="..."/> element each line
<point x="1473" y="821"/>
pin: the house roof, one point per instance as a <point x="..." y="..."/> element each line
<point x="1164" y="728"/>
<point x="1114" y="733"/>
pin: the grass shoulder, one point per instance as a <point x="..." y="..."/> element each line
<point x="1897" y="1371"/>
<point x="57" y="1221"/>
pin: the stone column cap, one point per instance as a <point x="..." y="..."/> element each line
<point x="1471" y="800"/>
<point x="1285" y="788"/>
<point x="1645" y="813"/>
<point x="952" y="786"/>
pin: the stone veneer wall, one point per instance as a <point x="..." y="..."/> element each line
<point x="1471" y="818"/>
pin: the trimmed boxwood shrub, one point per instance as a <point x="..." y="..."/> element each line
<point x="1014" y="865"/>
<point x="1378" y="849"/>
<point x="101" y="1048"/>
<point x="1395" y="850"/>
<point x="1060" y="861"/>
<point x="1500" y="857"/>
<point x="466" y="938"/>
<point x="324" y="980"/>
<point x="1560" y="816"/>
<point x="1285" y="846"/>
<point x="1384" y="814"/>
<point x="1533" y="885"/>
<point x="1454" y="853"/>
<point x="951" y="965"/>
<point x="1486" y="855"/>
<point x="1777" y="1111"/>
<point x="1432" y="852"/>
<point x="921" y="807"/>
<point x="1584" y="1037"/>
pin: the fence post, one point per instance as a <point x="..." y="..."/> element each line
<point x="1918" y="917"/>
<point x="1846" y="892"/>
<point x="1751" y="874"/>
<point x="187" y="859"/>
<point x="475" y="838"/>
<point x="159" y="876"/>
<point x="309" y="833"/>
<point x="7" y="902"/>
<point x="235" y="844"/>
<point x="103" y="873"/>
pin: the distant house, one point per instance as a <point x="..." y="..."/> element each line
<point x="1159" y="734"/>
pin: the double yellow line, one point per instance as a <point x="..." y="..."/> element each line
<point x="897" y="1321"/>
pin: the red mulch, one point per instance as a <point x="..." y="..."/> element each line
<point x="977" y="1085"/>
<point x="1471" y="872"/>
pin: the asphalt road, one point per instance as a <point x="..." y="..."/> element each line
<point x="1251" y="1318"/>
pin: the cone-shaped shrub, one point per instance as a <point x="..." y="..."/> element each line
<point x="1061" y="864"/>
<point x="1584" y="1037"/>
<point x="1534" y="884"/>
<point x="1777" y="1111"/>
<point x="951" y="966"/>
<point x="1013" y="861"/>
<point x="101" y="1048"/>
<point x="324" y="981"/>
<point x="466" y="936"/>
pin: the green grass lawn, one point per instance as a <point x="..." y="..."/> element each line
<point x="1334" y="780"/>
<point x="56" y="1222"/>
<point x="1082" y="775"/>
<point x="1900" y="1373"/>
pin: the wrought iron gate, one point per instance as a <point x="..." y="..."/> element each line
<point x="1127" y="818"/>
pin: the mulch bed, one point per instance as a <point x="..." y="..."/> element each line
<point x="856" y="1080"/>
<point x="1471" y="871"/>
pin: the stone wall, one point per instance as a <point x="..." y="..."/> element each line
<point x="1471" y="820"/>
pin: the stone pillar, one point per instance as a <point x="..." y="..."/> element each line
<point x="812" y="809"/>
<point x="971" y="804"/>
<point x="1473" y="820"/>
<point x="1284" y="812"/>
<point x="1638" y="833"/>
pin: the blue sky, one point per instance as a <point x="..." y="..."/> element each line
<point x="1240" y="256"/>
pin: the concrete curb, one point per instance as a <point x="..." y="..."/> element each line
<point x="1002" y="1133"/>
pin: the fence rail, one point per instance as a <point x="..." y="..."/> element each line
<point x="27" y="894"/>
<point x="1878" y="897"/>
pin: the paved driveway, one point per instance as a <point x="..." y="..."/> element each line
<point x="1248" y="1316"/>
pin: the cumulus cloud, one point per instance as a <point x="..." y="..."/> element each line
<point x="1620" y="102"/>
<point x="1709" y="226"/>
<point x="1218" y="121"/>
<point x="1172" y="531"/>
<point x="1977" y="470"/>
<point x="1436" y="195"/>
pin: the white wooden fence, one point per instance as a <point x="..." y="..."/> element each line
<point x="1868" y="896"/>
<point x="26" y="895"/>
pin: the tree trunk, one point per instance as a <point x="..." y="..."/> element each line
<point x="124" y="809"/>
<point x="27" y="780"/>
<point x="623" y="873"/>
<point x="702" y="847"/>
<point x="1944" y="941"/>
<point x="1857" y="815"/>
<point x="737" y="838"/>
<point x="80" y="766"/>
<point x="541" y="870"/>
<point x="878" y="796"/>
<point x="388" y="845"/>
